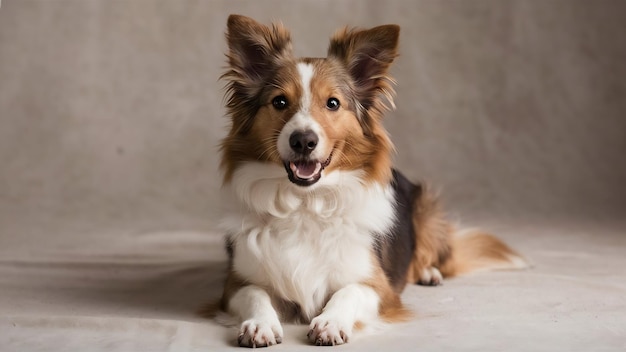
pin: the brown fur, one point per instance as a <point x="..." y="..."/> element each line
<point x="256" y="52"/>
<point x="433" y="236"/>
<point x="439" y="245"/>
<point x="478" y="251"/>
<point x="390" y="308"/>
<point x="262" y="66"/>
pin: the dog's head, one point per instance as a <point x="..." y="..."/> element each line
<point x="312" y="116"/>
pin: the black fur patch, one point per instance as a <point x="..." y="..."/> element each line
<point x="396" y="249"/>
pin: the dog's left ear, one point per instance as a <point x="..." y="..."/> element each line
<point x="367" y="54"/>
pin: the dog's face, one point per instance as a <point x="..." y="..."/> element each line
<point x="310" y="116"/>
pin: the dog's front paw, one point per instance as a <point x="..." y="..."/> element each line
<point x="258" y="333"/>
<point x="328" y="332"/>
<point x="430" y="277"/>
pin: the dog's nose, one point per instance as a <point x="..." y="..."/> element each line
<point x="303" y="142"/>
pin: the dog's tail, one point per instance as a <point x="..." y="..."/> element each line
<point x="439" y="245"/>
<point x="473" y="251"/>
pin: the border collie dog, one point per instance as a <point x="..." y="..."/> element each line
<point x="321" y="229"/>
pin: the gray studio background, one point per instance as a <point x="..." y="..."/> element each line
<point x="111" y="113"/>
<point x="515" y="105"/>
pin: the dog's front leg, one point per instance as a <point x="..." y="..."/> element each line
<point x="347" y="306"/>
<point x="260" y="327"/>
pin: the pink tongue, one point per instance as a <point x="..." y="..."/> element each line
<point x="304" y="169"/>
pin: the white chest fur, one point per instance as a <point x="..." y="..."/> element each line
<point x="304" y="243"/>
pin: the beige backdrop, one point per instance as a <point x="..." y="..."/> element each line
<point x="111" y="111"/>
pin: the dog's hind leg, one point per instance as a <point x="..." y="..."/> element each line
<point x="443" y="251"/>
<point x="433" y="241"/>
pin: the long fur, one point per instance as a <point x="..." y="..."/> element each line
<point x="271" y="233"/>
<point x="320" y="228"/>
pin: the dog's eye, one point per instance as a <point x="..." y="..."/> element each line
<point x="332" y="104"/>
<point x="280" y="102"/>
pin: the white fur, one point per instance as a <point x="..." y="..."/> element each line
<point x="430" y="275"/>
<point x="352" y="303"/>
<point x="305" y="243"/>
<point x="261" y="326"/>
<point x="303" y="120"/>
<point x="306" y="74"/>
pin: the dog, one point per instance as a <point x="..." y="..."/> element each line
<point x="321" y="229"/>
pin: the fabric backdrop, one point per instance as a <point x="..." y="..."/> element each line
<point x="110" y="117"/>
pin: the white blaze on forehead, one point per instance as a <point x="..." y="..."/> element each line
<point x="306" y="73"/>
<point x="302" y="120"/>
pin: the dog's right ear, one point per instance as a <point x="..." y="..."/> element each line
<point x="255" y="52"/>
<point x="255" y="49"/>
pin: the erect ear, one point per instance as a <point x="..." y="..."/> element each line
<point x="255" y="49"/>
<point x="367" y="54"/>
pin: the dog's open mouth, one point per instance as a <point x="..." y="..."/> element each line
<point x="306" y="172"/>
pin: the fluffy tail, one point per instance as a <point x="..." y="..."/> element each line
<point x="477" y="251"/>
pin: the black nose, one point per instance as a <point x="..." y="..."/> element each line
<point x="303" y="142"/>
